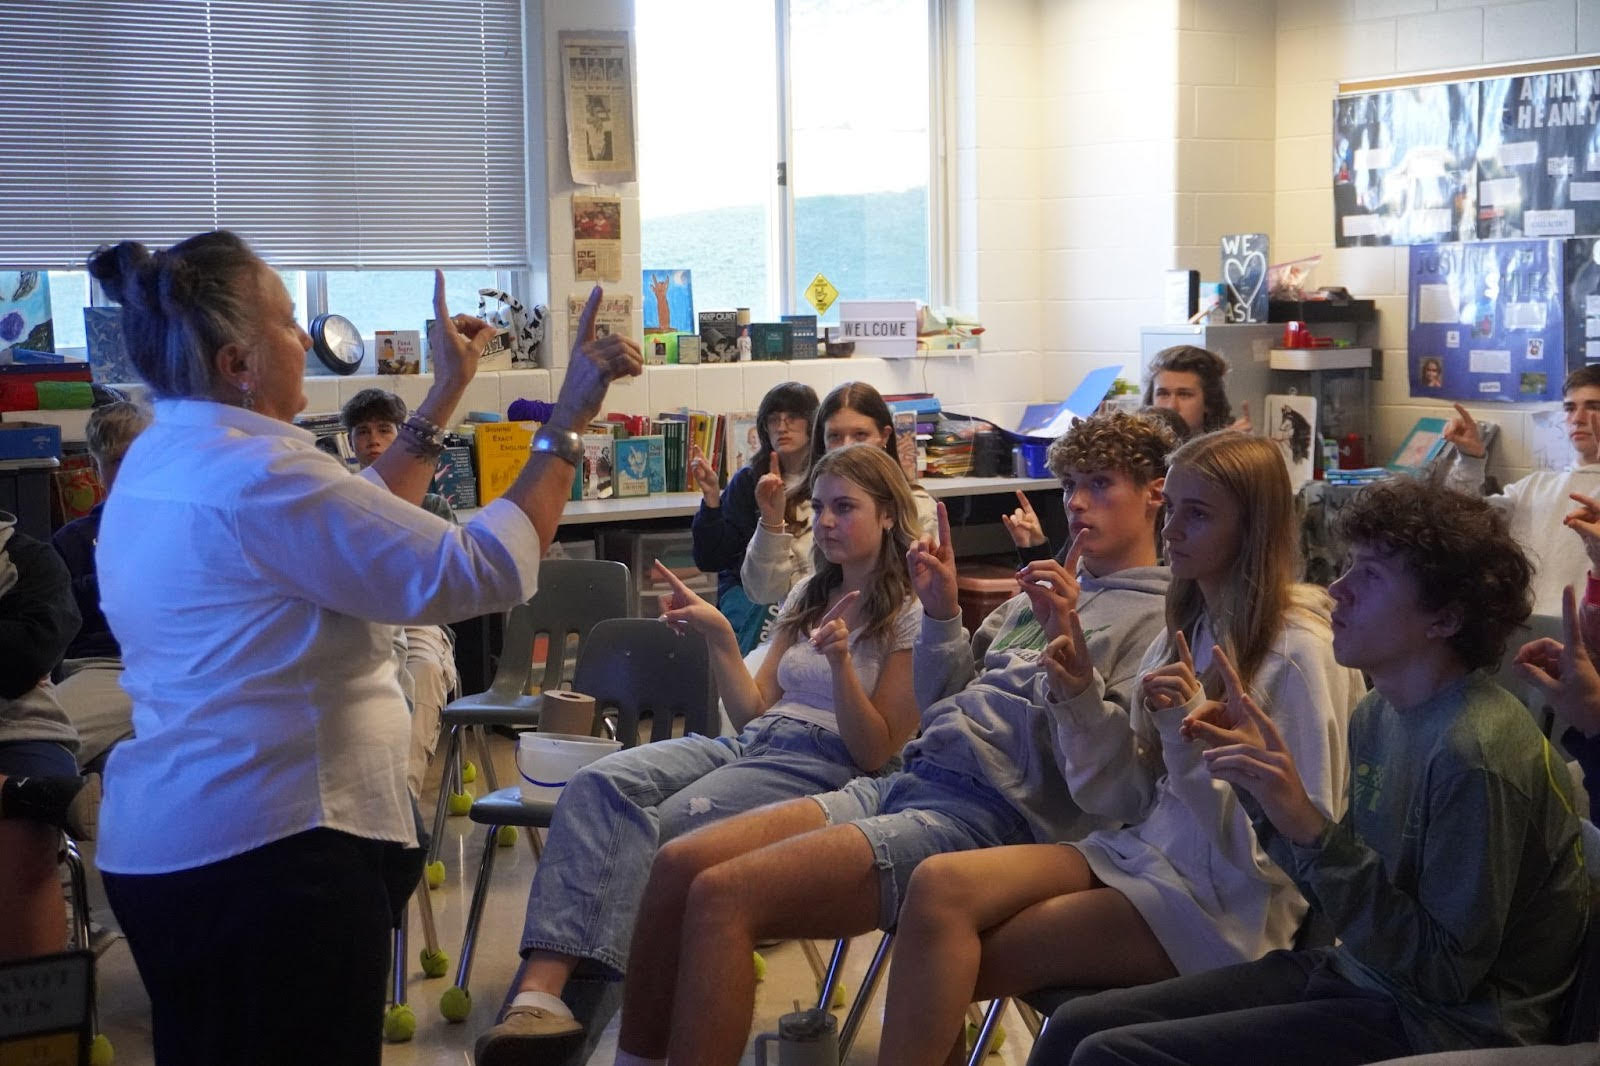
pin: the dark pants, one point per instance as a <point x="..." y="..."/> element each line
<point x="1286" y="1007"/>
<point x="278" y="955"/>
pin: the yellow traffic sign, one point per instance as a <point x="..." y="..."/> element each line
<point x="821" y="294"/>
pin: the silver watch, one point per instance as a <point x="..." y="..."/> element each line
<point x="564" y="444"/>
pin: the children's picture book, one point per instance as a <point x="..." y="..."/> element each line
<point x="802" y="336"/>
<point x="1422" y="446"/>
<point x="744" y="440"/>
<point x="668" y="301"/>
<point x="399" y="351"/>
<point x="719" y="337"/>
<point x="597" y="465"/>
<point x="632" y="466"/>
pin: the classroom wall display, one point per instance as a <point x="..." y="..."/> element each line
<point x="1292" y="426"/>
<point x="668" y="301"/>
<point x="25" y="312"/>
<point x="1486" y="321"/>
<point x="1539" y="155"/>
<point x="1244" y="276"/>
<point x="1582" y="283"/>
<point x="1404" y="165"/>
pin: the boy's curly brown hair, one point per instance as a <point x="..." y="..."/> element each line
<point x="1133" y="444"/>
<point x="1459" y="549"/>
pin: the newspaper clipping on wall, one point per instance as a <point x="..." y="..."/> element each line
<point x="597" y="82"/>
<point x="614" y="315"/>
<point x="597" y="238"/>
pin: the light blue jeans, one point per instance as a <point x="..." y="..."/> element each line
<point x="616" y="811"/>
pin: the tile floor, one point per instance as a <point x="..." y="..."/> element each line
<point x="125" y="1017"/>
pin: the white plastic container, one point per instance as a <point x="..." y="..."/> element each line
<point x="547" y="761"/>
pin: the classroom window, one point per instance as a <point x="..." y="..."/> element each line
<point x="855" y="117"/>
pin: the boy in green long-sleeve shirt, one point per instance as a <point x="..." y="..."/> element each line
<point x="1454" y="881"/>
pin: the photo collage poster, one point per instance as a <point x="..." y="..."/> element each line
<point x="1487" y="321"/>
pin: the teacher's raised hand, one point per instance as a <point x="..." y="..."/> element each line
<point x="456" y="343"/>
<point x="596" y="362"/>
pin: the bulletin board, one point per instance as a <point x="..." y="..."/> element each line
<point x="1487" y="321"/>
<point x="1404" y="165"/>
<point x="1539" y="155"/>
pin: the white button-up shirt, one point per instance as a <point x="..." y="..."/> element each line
<point x="252" y="583"/>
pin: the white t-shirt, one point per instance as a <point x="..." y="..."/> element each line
<point x="807" y="679"/>
<point x="253" y="584"/>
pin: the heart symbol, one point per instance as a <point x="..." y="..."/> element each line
<point x="1251" y="272"/>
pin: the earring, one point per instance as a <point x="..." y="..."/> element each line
<point x="247" y="398"/>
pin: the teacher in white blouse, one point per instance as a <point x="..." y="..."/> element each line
<point x="256" y="836"/>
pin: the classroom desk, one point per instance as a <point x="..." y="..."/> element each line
<point x="685" y="504"/>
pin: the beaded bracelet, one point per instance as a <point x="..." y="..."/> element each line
<point x="427" y="437"/>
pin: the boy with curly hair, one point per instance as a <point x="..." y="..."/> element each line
<point x="1454" y="881"/>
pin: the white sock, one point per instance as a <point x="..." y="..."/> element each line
<point x="544" y="1001"/>
<point x="626" y="1059"/>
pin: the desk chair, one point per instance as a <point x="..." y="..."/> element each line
<point x="573" y="595"/>
<point x="636" y="669"/>
<point x="100" y="1051"/>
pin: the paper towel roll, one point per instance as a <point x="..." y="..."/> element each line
<point x="571" y="713"/>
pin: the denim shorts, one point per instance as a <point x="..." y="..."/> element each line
<point x="921" y="811"/>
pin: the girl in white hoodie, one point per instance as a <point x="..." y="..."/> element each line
<point x="1183" y="886"/>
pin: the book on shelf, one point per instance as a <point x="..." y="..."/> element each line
<point x="672" y="430"/>
<point x="454" y="479"/>
<point x="770" y="340"/>
<point x="719" y="337"/>
<point x="631" y="467"/>
<point x="802" y="336"/>
<point x="597" y="465"/>
<point x="500" y="449"/>
<point x="743" y="440"/>
<point x="905" y="441"/>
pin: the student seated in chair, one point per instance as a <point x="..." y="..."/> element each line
<point x="832" y="700"/>
<point x="987" y="769"/>
<point x="372" y="419"/>
<point x="1455" y="879"/>
<point x="1534" y="504"/>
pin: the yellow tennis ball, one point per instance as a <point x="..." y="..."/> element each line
<point x="460" y="803"/>
<point x="399" y="1024"/>
<point x="434" y="872"/>
<point x="761" y="967"/>
<point x="839" y="993"/>
<point x="469" y="772"/>
<point x="995" y="1045"/>
<point x="455" y="1004"/>
<point x="506" y="837"/>
<point x="100" y="1050"/>
<point x="434" y="962"/>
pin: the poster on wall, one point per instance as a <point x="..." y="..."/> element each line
<point x="1292" y="426"/>
<point x="1244" y="276"/>
<point x="1486" y="321"/>
<point x="1539" y="155"/>
<point x="1404" y="165"/>
<point x="597" y="238"/>
<point x="597" y="87"/>
<point x="25" y="312"/>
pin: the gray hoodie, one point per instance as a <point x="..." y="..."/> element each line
<point x="995" y="728"/>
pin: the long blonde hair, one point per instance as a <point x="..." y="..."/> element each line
<point x="869" y="468"/>
<point x="1252" y="605"/>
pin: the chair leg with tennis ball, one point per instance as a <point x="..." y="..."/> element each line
<point x="456" y="1003"/>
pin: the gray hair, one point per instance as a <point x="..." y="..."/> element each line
<point x="112" y="427"/>
<point x="180" y="305"/>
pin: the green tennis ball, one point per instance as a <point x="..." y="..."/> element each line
<point x="434" y="962"/>
<point x="100" y="1050"/>
<point x="839" y="993"/>
<point x="469" y="772"/>
<point x="399" y="1024"/>
<point x="435" y="873"/>
<point x="507" y="836"/>
<point x="761" y="967"/>
<point x="455" y="1004"/>
<point x="995" y="1045"/>
<point x="460" y="803"/>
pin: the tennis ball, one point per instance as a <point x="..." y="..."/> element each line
<point x="399" y="1024"/>
<point x="434" y="962"/>
<point x="469" y="772"/>
<point x="761" y="967"/>
<point x="460" y="803"/>
<point x="839" y="993"/>
<point x="435" y="873"/>
<point x="507" y="836"/>
<point x="100" y="1051"/>
<point x="455" y="1004"/>
<point x="995" y="1045"/>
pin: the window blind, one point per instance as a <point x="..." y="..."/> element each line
<point x="331" y="135"/>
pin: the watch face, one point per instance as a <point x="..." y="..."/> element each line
<point x="338" y="344"/>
